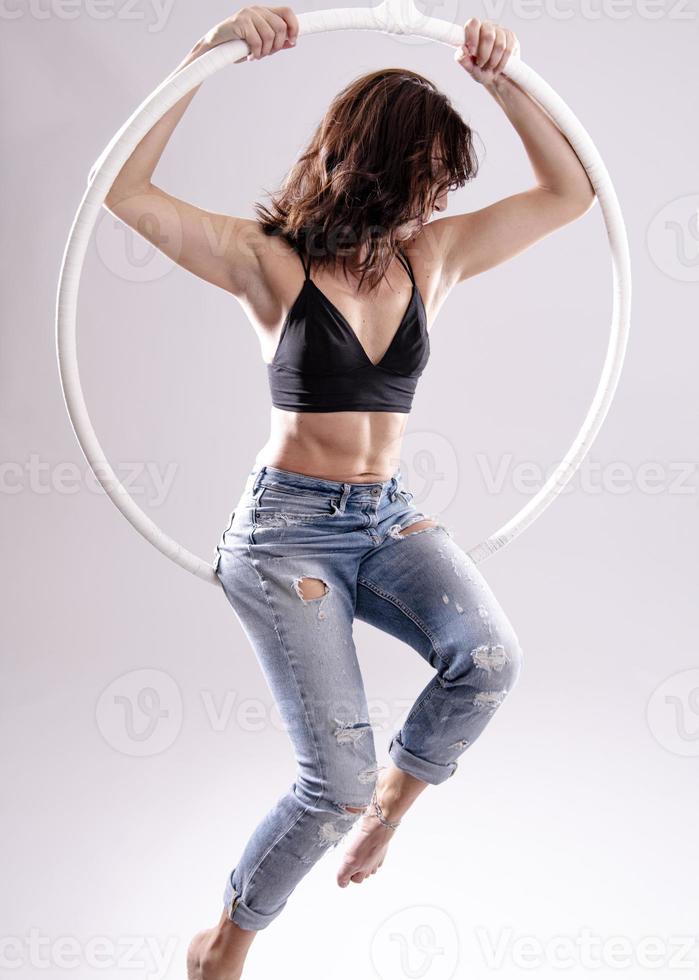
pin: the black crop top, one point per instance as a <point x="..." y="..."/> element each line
<point x="320" y="366"/>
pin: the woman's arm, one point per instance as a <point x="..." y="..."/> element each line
<point x="479" y="240"/>
<point x="555" y="164"/>
<point x="215" y="247"/>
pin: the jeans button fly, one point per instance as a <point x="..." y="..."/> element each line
<point x="375" y="492"/>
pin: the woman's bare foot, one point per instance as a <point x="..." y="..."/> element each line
<point x="366" y="849"/>
<point x="219" y="953"/>
<point x="396" y="791"/>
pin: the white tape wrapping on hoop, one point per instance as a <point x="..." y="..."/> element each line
<point x="397" y="17"/>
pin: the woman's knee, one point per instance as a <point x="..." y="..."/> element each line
<point x="491" y="662"/>
<point x="338" y="808"/>
<point x="339" y="792"/>
<point x="349" y="796"/>
<point x="500" y="659"/>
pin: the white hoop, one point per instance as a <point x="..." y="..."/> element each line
<point x="390" y="17"/>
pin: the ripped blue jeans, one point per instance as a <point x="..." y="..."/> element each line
<point x="300" y="559"/>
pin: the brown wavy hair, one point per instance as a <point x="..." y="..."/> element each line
<point x="388" y="144"/>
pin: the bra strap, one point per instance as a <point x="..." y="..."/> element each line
<point x="307" y="270"/>
<point x="406" y="264"/>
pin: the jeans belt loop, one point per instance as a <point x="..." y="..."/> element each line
<point x="393" y="489"/>
<point x="346" y="490"/>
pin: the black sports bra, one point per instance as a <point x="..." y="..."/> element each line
<point x="320" y="366"/>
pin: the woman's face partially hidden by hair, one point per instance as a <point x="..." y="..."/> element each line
<point x="411" y="228"/>
<point x="381" y="160"/>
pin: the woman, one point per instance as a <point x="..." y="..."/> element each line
<point x="325" y="531"/>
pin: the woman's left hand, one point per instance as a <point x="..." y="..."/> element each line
<point x="486" y="49"/>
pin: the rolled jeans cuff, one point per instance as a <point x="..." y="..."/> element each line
<point x="243" y="916"/>
<point x="429" y="772"/>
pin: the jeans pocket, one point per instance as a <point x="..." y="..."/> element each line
<point x="279" y="506"/>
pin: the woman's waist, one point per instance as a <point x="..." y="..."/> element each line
<point x="348" y="450"/>
<point x="270" y="476"/>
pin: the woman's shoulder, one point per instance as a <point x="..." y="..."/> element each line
<point x="426" y="252"/>
<point x="270" y="258"/>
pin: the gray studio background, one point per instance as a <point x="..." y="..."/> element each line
<point x="140" y="743"/>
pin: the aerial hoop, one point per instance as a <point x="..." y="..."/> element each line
<point x="389" y="17"/>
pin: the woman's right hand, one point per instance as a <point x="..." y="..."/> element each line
<point x="265" y="30"/>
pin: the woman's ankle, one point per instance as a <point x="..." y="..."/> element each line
<point x="215" y="966"/>
<point x="223" y="954"/>
<point x="396" y="791"/>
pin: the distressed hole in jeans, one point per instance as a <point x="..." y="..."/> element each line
<point x="490" y="657"/>
<point x="350" y="732"/>
<point x="461" y="744"/>
<point x="310" y="589"/>
<point x="351" y="811"/>
<point x="423" y="524"/>
<point x="489" y="699"/>
<point x="370" y="774"/>
<point x="328" y="833"/>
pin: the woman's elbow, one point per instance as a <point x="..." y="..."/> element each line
<point x="580" y="202"/>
